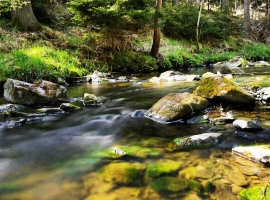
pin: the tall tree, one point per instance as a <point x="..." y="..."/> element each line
<point x="157" y="31"/>
<point x="23" y="15"/>
<point x="247" y="17"/>
<point x="198" y="25"/>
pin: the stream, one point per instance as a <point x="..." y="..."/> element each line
<point x="58" y="157"/>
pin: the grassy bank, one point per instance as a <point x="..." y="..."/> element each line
<point x="74" y="51"/>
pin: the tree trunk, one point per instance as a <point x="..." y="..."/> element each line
<point x="247" y="17"/>
<point x="197" y="27"/>
<point x="23" y="16"/>
<point x="157" y="32"/>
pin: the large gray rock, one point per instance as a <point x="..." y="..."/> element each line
<point x="41" y="92"/>
<point x="174" y="106"/>
<point x="200" y="140"/>
<point x="230" y="67"/>
<point x="223" y="90"/>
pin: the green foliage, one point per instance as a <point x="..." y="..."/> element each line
<point x="255" y="51"/>
<point x="4" y="6"/>
<point x="38" y="62"/>
<point x="133" y="62"/>
<point x="180" y="21"/>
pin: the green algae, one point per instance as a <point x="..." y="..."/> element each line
<point x="123" y="173"/>
<point x="255" y="193"/>
<point x="158" y="169"/>
<point x="168" y="184"/>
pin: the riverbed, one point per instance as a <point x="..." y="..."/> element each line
<point x="58" y="157"/>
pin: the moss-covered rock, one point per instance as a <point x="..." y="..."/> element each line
<point x="174" y="106"/>
<point x="68" y="107"/>
<point x="223" y="90"/>
<point x="158" y="169"/>
<point x="168" y="184"/>
<point x="194" y="185"/>
<point x="121" y="151"/>
<point x="255" y="193"/>
<point x="123" y="173"/>
<point x="91" y="99"/>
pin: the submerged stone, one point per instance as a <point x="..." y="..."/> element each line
<point x="123" y="173"/>
<point x="174" y="106"/>
<point x="6" y="108"/>
<point x="121" y="151"/>
<point x="166" y="167"/>
<point x="255" y="193"/>
<point x="168" y="184"/>
<point x="68" y="107"/>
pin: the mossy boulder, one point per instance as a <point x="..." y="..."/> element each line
<point x="174" y="106"/>
<point x="164" y="168"/>
<point x="255" y="193"/>
<point x="223" y="90"/>
<point x="168" y="184"/>
<point x="91" y="99"/>
<point x="68" y="107"/>
<point x="123" y="173"/>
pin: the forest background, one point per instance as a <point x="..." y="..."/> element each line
<point x="52" y="39"/>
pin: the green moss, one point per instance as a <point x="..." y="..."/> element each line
<point x="157" y="169"/>
<point x="209" y="187"/>
<point x="123" y="173"/>
<point x="194" y="185"/>
<point x="255" y="193"/>
<point x="9" y="187"/>
<point x="168" y="184"/>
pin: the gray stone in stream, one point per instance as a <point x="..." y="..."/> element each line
<point x="41" y="92"/>
<point x="223" y="90"/>
<point x="10" y="107"/>
<point x="264" y="94"/>
<point x="259" y="154"/>
<point x="246" y="125"/>
<point x="91" y="99"/>
<point x="68" y="107"/>
<point x="174" y="106"/>
<point x="201" y="140"/>
<point x="230" y="67"/>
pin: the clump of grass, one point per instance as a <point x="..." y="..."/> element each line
<point x="39" y="62"/>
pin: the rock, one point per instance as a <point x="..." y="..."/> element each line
<point x="223" y="90"/>
<point x="51" y="110"/>
<point x="233" y="173"/>
<point x="204" y="173"/>
<point x="255" y="193"/>
<point x="154" y="79"/>
<point x="68" y="107"/>
<point x="166" y="167"/>
<point x="123" y="173"/>
<point x="264" y="93"/>
<point x="168" y="184"/>
<point x="91" y="99"/>
<point x="138" y="113"/>
<point x="201" y="140"/>
<point x="121" y="151"/>
<point x="41" y="92"/>
<point x="246" y="125"/>
<point x="188" y="173"/>
<point x="261" y="64"/>
<point x="208" y="74"/>
<point x="6" y="108"/>
<point x="259" y="154"/>
<point x="15" y="123"/>
<point x="224" y="191"/>
<point x="230" y="67"/>
<point x="165" y="75"/>
<point x="247" y="135"/>
<point x="174" y="106"/>
<point x="177" y="78"/>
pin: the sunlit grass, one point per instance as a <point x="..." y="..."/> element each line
<point x="39" y="62"/>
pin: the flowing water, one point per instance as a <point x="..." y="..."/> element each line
<point x="53" y="159"/>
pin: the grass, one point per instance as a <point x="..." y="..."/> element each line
<point x="39" y="62"/>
